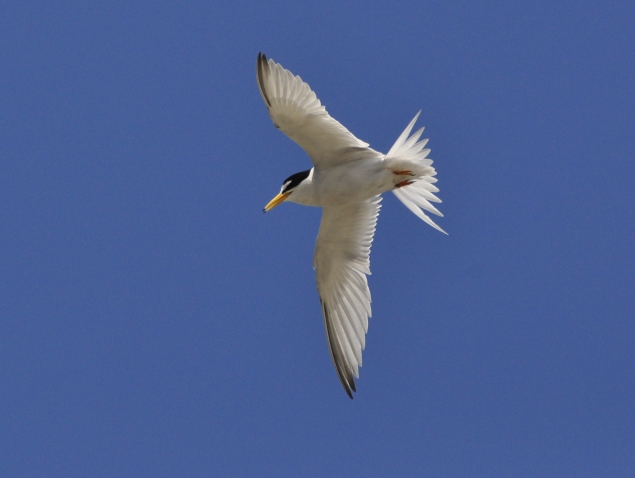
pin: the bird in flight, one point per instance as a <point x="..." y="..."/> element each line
<point x="346" y="181"/>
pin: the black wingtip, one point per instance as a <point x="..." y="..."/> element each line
<point x="346" y="379"/>
<point x="262" y="69"/>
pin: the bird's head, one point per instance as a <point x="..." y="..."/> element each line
<point x="294" y="184"/>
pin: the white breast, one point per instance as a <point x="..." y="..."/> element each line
<point x="351" y="182"/>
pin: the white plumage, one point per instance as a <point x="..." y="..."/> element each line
<point x="347" y="180"/>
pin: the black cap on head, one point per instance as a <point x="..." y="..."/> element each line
<point x="295" y="179"/>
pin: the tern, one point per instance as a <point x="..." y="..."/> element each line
<point x="346" y="181"/>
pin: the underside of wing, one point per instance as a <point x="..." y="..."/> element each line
<point x="295" y="109"/>
<point x="341" y="262"/>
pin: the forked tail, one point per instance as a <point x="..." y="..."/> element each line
<point x="408" y="154"/>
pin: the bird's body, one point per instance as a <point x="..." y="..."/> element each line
<point x="345" y="183"/>
<point x="347" y="180"/>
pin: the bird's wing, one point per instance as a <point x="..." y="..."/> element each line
<point x="341" y="262"/>
<point x="295" y="109"/>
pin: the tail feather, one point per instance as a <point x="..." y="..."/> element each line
<point x="422" y="198"/>
<point x="402" y="139"/>
<point x="408" y="150"/>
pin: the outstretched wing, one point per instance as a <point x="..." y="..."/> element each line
<point x="295" y="109"/>
<point x="341" y="262"/>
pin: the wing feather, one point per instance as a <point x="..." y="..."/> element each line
<point x="336" y="354"/>
<point x="295" y="109"/>
<point x="342" y="261"/>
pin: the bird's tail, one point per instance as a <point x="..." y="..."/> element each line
<point x="408" y="155"/>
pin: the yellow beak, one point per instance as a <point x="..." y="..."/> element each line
<point x="275" y="201"/>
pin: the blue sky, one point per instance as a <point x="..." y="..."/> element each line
<point x="153" y="322"/>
